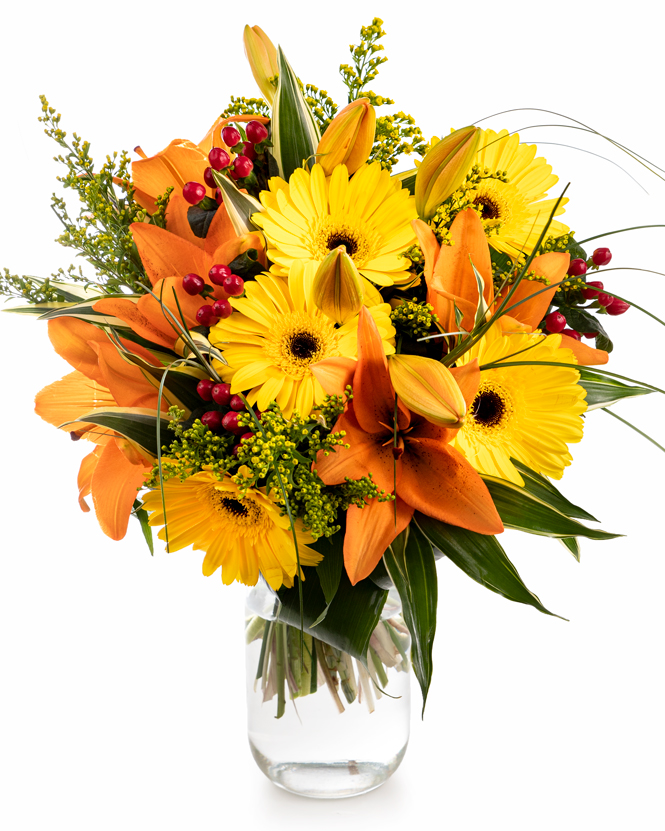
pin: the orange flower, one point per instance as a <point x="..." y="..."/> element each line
<point x="414" y="461"/>
<point x="167" y="258"/>
<point x="451" y="282"/>
<point x="115" y="469"/>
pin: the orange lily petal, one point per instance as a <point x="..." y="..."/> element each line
<point x="71" y="340"/>
<point x="334" y="374"/>
<point x="367" y="453"/>
<point x="553" y="267"/>
<point x="145" y="322"/>
<point x="585" y="355"/>
<point x="428" y="244"/>
<point x="65" y="400"/>
<point x="165" y="255"/>
<point x="84" y="481"/>
<point x="373" y="394"/>
<point x="453" y="271"/>
<point x="129" y="385"/>
<point x="114" y="486"/>
<point x="181" y="162"/>
<point x="369" y="531"/>
<point x="439" y="482"/>
<point x="177" y="222"/>
<point x="468" y="379"/>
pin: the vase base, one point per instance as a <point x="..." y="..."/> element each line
<point x="327" y="780"/>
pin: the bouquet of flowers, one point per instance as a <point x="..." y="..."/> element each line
<point x="324" y="374"/>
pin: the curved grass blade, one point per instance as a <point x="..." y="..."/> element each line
<point x="633" y="427"/>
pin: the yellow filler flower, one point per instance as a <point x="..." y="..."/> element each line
<point x="370" y="214"/>
<point x="276" y="333"/>
<point x="514" y="212"/>
<point x="243" y="533"/>
<point x="530" y="413"/>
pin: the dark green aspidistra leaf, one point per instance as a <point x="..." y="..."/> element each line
<point x="481" y="557"/>
<point x="139" y="427"/>
<point x="602" y="391"/>
<point x="544" y="490"/>
<point x="412" y="568"/>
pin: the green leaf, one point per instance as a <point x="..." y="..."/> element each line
<point x="142" y="515"/>
<point x="480" y="557"/>
<point x="200" y="219"/>
<point x="133" y="423"/>
<point x="572" y="545"/>
<point x="84" y="311"/>
<point x="544" y="490"/>
<point x="582" y="321"/>
<point x="239" y="206"/>
<point x="411" y="565"/>
<point x="331" y="567"/>
<point x="295" y="134"/>
<point x="351" y="618"/>
<point x="602" y="391"/>
<point x="408" y="180"/>
<point x="247" y="264"/>
<point x="522" y="511"/>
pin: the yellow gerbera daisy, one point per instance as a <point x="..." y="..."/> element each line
<point x="277" y="332"/>
<point x="514" y="212"/>
<point x="244" y="534"/>
<point x="310" y="216"/>
<point x="529" y="413"/>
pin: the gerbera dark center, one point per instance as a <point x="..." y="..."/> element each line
<point x="488" y="408"/>
<point x="490" y="208"/>
<point x="303" y="345"/>
<point x="341" y="239"/>
<point x="233" y="506"/>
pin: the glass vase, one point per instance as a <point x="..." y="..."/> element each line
<point x="320" y="724"/>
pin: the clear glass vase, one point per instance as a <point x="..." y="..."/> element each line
<point x="323" y="725"/>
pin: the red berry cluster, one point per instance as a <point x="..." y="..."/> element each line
<point x="219" y="159"/>
<point x="218" y="421"/>
<point x="231" y="285"/>
<point x="556" y="323"/>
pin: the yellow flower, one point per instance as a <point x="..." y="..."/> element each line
<point x="242" y="534"/>
<point x="310" y="216"/>
<point x="529" y="413"/>
<point x="514" y="213"/>
<point x="276" y="333"/>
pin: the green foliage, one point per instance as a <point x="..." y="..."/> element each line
<point x="246" y="106"/>
<point x="323" y="107"/>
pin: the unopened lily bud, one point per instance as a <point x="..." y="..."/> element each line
<point x="262" y="57"/>
<point x="428" y="388"/>
<point x="349" y="137"/>
<point x="444" y="168"/>
<point x="338" y="288"/>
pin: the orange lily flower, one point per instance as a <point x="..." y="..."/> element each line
<point x="451" y="282"/>
<point x="167" y="258"/>
<point x="181" y="162"/>
<point x="115" y="469"/>
<point x="416" y="465"/>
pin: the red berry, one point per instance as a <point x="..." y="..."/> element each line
<point x="218" y="196"/>
<point x="193" y="192"/>
<point x="572" y="334"/>
<point x="601" y="256"/>
<point x="256" y="132"/>
<point x="221" y="394"/>
<point x="230" y="423"/>
<point x="589" y="293"/>
<point x="204" y="389"/>
<point x="234" y="285"/>
<point x="217" y="274"/>
<point x="617" y="307"/>
<point x="577" y="268"/>
<point x="589" y="334"/>
<point x="222" y="308"/>
<point x="205" y="316"/>
<point x="208" y="178"/>
<point x="231" y="136"/>
<point x="242" y="167"/>
<point x="604" y="299"/>
<point x="193" y="284"/>
<point x="219" y="158"/>
<point x="246" y="436"/>
<point x="236" y="403"/>
<point x="213" y="420"/>
<point x="248" y="150"/>
<point x="555" y="322"/>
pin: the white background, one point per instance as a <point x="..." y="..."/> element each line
<point x="122" y="692"/>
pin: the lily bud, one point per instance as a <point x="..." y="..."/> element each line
<point x="349" y="137"/>
<point x="338" y="288"/>
<point x="443" y="169"/>
<point x="428" y="388"/>
<point x="262" y="57"/>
